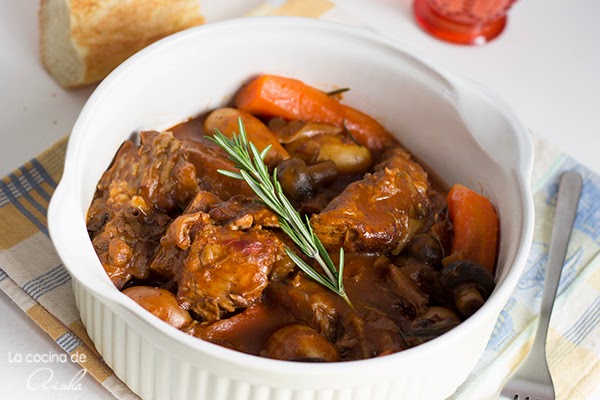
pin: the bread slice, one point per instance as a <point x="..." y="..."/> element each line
<point x="83" y="40"/>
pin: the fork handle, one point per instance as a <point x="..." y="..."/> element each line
<point x="569" y="190"/>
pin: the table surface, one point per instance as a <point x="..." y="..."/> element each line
<point x="546" y="65"/>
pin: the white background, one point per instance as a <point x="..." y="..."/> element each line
<point x="546" y="65"/>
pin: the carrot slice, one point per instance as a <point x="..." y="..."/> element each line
<point x="276" y="96"/>
<point x="366" y="130"/>
<point x="475" y="225"/>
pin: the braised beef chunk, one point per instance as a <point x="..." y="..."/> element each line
<point x="202" y="201"/>
<point x="310" y="303"/>
<point x="220" y="257"/>
<point x="381" y="212"/>
<point x="135" y="196"/>
<point x="369" y="335"/>
<point x="127" y="243"/>
<point x="209" y="159"/>
<point x="367" y="282"/>
<point x="226" y="270"/>
<point x="218" y="264"/>
<point x="240" y="212"/>
<point x="117" y="186"/>
<point x="176" y="242"/>
<point x="380" y="313"/>
<point x="168" y="179"/>
<point x="413" y="299"/>
<point x="394" y="158"/>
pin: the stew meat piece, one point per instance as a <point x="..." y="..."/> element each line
<point x="240" y="212"/>
<point x="310" y="303"/>
<point x="226" y="270"/>
<point x="381" y="212"/>
<point x="135" y="196"/>
<point x="209" y="158"/>
<point x="237" y="213"/>
<point x="221" y="258"/>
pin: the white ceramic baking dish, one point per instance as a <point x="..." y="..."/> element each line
<point x="460" y="129"/>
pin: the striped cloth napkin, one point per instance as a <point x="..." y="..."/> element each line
<point x="40" y="285"/>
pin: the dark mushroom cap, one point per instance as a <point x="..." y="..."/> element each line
<point x="427" y="248"/>
<point x="323" y="173"/>
<point x="300" y="181"/>
<point x="432" y="323"/>
<point x="295" y="178"/>
<point x="466" y="272"/>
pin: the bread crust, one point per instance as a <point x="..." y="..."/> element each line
<point x="104" y="33"/>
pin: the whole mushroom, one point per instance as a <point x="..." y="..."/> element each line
<point x="466" y="284"/>
<point x="427" y="248"/>
<point x="300" y="181"/>
<point x="161" y="303"/>
<point x="300" y="343"/>
<point x="433" y="322"/>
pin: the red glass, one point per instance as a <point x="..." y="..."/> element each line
<point x="462" y="21"/>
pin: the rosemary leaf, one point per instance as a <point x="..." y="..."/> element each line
<point x="230" y="174"/>
<point x="265" y="151"/>
<point x="341" y="271"/>
<point x="309" y="270"/>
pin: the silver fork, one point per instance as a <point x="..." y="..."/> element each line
<point x="532" y="380"/>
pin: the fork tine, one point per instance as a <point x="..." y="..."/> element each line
<point x="531" y="381"/>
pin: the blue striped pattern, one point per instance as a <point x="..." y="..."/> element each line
<point x="579" y="331"/>
<point x="39" y="168"/>
<point x="585" y="324"/>
<point x="46" y="282"/>
<point x="30" y="179"/>
<point x="68" y="342"/>
<point x="17" y="190"/>
<point x="8" y="191"/>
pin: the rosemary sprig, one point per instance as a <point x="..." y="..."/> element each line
<point x="255" y="172"/>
